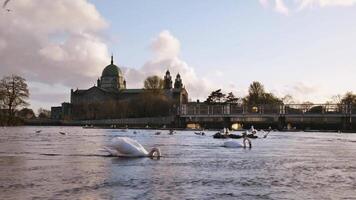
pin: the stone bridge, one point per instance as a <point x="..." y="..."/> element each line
<point x="290" y="116"/>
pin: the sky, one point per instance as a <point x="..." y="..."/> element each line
<point x="305" y="48"/>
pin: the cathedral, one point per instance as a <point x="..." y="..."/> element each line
<point x="111" y="87"/>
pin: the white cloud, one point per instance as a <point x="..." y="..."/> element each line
<point x="324" y="3"/>
<point x="165" y="46"/>
<point x="59" y="43"/>
<point x="300" y="91"/>
<point x="166" y="50"/>
<point x="264" y="3"/>
<point x="31" y="49"/>
<point x="55" y="42"/>
<point x="281" y="7"/>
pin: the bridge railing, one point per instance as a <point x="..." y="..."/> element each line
<point x="312" y="109"/>
<point x="286" y="109"/>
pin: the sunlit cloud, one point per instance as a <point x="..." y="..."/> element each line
<point x="166" y="49"/>
<point x="53" y="47"/>
<point x="282" y="7"/>
<point x="325" y="3"/>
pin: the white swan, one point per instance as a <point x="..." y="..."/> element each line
<point x="236" y="144"/>
<point x="252" y="130"/>
<point x="127" y="147"/>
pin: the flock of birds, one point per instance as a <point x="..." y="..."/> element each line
<point x="127" y="147"/>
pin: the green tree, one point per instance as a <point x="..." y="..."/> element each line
<point x="14" y="94"/>
<point x="153" y="83"/>
<point x="216" y="97"/>
<point x="257" y="96"/>
<point x="26" y="113"/>
<point x="230" y="98"/>
<point x="43" y="113"/>
<point x="256" y="89"/>
<point x="270" y="98"/>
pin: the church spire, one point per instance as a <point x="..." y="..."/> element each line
<point x="112" y="59"/>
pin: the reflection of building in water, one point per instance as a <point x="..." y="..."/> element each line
<point x="111" y="92"/>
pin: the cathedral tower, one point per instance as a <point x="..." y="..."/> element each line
<point x="167" y="80"/>
<point x="178" y="84"/>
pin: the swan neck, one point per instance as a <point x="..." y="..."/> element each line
<point x="248" y="141"/>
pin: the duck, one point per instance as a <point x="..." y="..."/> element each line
<point x="62" y="133"/>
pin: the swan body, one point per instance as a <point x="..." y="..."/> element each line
<point x="127" y="147"/>
<point x="232" y="144"/>
<point x="236" y="144"/>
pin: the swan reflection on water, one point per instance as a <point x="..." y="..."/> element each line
<point x="127" y="147"/>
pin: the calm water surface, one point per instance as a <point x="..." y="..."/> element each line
<point x="49" y="165"/>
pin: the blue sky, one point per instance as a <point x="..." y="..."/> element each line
<point x="242" y="40"/>
<point x="305" y="48"/>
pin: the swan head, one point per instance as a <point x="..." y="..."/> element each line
<point x="155" y="152"/>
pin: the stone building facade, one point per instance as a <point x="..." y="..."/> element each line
<point x="111" y="87"/>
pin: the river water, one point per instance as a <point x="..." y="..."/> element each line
<point x="48" y="165"/>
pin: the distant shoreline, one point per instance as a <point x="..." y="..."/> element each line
<point x="180" y="129"/>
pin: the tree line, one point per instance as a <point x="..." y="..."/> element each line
<point x="14" y="94"/>
<point x="257" y="95"/>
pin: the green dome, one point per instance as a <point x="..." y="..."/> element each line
<point x="112" y="70"/>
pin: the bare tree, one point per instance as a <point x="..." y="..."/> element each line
<point x="349" y="98"/>
<point x="288" y="99"/>
<point x="336" y="99"/>
<point x="14" y="93"/>
<point x="307" y="105"/>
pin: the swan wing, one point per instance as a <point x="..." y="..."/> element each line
<point x="127" y="147"/>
